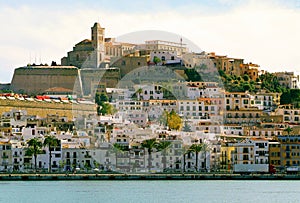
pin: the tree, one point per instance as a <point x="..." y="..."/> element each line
<point x="51" y="142"/>
<point x="163" y="146"/>
<point x="139" y="92"/>
<point x="185" y="150"/>
<point x="174" y="121"/>
<point x="34" y="148"/>
<point x="149" y="144"/>
<point x="156" y="60"/>
<point x="196" y="148"/>
<point x="246" y="77"/>
<point x="288" y="130"/>
<point x="104" y="107"/>
<point x="205" y="148"/>
<point x="163" y="119"/>
<point x="117" y="149"/>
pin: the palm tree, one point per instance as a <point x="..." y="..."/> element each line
<point x="184" y="150"/>
<point x="51" y="142"/>
<point x="150" y="144"/>
<point x="205" y="148"/>
<point x="35" y="146"/>
<point x="288" y="130"/>
<point x="163" y="146"/>
<point x="196" y="148"/>
<point x="117" y="149"/>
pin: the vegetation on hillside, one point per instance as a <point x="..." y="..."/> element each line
<point x="104" y="107"/>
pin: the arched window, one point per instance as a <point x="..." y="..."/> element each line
<point x="163" y="58"/>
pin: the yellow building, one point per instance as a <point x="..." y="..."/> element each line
<point x="225" y="157"/>
<point x="274" y="154"/>
<point x="289" y="150"/>
<point x="5" y="156"/>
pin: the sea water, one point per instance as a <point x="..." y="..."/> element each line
<point x="150" y="191"/>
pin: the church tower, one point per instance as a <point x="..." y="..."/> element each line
<point x="98" y="35"/>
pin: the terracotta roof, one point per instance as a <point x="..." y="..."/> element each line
<point x="85" y="41"/>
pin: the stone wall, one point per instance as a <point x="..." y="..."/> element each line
<point x="130" y="63"/>
<point x="41" y="109"/>
<point x="35" y="80"/>
<point x="93" y="76"/>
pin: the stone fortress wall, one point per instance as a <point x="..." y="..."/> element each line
<point x="37" y="79"/>
<point x="41" y="109"/>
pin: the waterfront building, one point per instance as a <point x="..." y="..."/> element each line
<point x="6" y="164"/>
<point x="251" y="151"/>
<point x="226" y="161"/>
<point x="18" y="154"/>
<point x="73" y="158"/>
<point x="289" y="150"/>
<point x="275" y="155"/>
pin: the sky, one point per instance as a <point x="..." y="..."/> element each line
<point x="262" y="32"/>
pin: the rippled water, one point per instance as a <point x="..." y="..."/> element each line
<point x="150" y="191"/>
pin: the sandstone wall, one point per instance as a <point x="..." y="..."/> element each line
<point x="93" y="76"/>
<point x="36" y="80"/>
<point x="43" y="108"/>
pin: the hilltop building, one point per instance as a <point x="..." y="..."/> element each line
<point x="96" y="52"/>
<point x="288" y="79"/>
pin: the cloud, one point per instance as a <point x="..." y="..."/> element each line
<point x="260" y="32"/>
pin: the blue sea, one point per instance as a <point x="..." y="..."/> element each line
<point x="150" y="191"/>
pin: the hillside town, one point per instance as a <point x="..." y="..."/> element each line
<point x="155" y="107"/>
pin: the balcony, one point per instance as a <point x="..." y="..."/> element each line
<point x="87" y="156"/>
<point x="4" y="157"/>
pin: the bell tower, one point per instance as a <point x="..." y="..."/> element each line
<point x="98" y="35"/>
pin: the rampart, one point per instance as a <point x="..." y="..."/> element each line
<point x="41" y="109"/>
<point x="35" y="80"/>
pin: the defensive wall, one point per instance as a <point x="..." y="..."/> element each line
<point x="41" y="109"/>
<point x="37" y="79"/>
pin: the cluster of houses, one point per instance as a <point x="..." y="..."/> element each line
<point x="218" y="130"/>
<point x="228" y="129"/>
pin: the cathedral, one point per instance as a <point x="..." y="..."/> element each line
<point x="96" y="52"/>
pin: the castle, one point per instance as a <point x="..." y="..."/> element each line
<point x="83" y="68"/>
